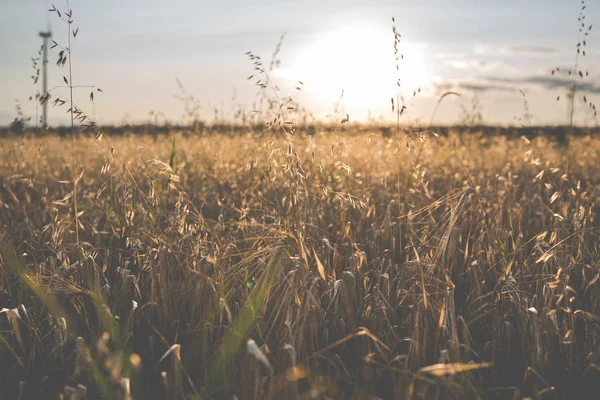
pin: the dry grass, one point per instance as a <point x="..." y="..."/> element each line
<point x="259" y="261"/>
<point x="325" y="266"/>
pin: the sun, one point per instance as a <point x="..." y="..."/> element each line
<point x="358" y="59"/>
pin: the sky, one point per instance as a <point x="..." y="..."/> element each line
<point x="498" y="55"/>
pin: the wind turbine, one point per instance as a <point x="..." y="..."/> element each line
<point x="45" y="35"/>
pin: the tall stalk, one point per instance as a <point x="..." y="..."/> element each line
<point x="76" y="113"/>
<point x="74" y="165"/>
<point x="575" y="65"/>
<point x="578" y="73"/>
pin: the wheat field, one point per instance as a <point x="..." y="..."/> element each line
<point x="273" y="254"/>
<point x="329" y="264"/>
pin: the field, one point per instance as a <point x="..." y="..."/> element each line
<point x="334" y="263"/>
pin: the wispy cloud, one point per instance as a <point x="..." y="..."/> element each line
<point x="534" y="50"/>
<point x="547" y="82"/>
<point x="506" y="84"/>
<point x="488" y="49"/>
<point x="470" y="86"/>
<point x="470" y="64"/>
<point x="448" y="56"/>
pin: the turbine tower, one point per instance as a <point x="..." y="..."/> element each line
<point x="45" y="35"/>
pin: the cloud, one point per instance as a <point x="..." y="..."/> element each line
<point x="547" y="82"/>
<point x="487" y="49"/>
<point x="467" y="64"/>
<point x="506" y="84"/>
<point x="484" y="87"/>
<point x="470" y="86"/>
<point x="448" y="56"/>
<point x="533" y="50"/>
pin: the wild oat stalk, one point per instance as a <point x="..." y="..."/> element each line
<point x="35" y="65"/>
<point x="526" y="117"/>
<point x="577" y="72"/>
<point x="400" y="105"/>
<point x="70" y="83"/>
<point x="191" y="106"/>
<point x="278" y="107"/>
<point x="65" y="57"/>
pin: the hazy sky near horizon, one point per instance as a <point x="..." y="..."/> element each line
<point x="134" y="50"/>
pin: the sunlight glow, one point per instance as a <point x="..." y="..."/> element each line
<point x="359" y="60"/>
